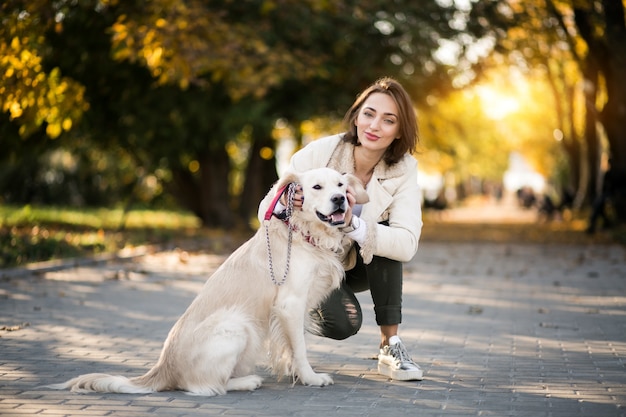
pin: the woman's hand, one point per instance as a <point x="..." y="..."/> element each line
<point x="298" y="198"/>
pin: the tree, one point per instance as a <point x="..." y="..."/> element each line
<point x="35" y="97"/>
<point x="603" y="27"/>
<point x="593" y="34"/>
<point x="172" y="83"/>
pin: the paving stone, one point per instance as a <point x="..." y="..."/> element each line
<point x="500" y="330"/>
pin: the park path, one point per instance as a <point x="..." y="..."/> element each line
<point x="500" y="329"/>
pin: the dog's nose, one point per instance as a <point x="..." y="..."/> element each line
<point x="338" y="199"/>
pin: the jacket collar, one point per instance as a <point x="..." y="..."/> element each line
<point x="342" y="160"/>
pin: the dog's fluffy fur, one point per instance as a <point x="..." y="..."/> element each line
<point x="217" y="343"/>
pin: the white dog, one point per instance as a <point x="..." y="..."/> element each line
<point x="262" y="293"/>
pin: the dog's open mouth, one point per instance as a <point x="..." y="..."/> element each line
<point x="334" y="219"/>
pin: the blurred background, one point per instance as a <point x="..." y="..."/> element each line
<point x="180" y="114"/>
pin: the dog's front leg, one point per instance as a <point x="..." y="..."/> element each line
<point x="290" y="312"/>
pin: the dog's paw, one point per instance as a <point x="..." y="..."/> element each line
<point x="244" y="383"/>
<point x="317" y="380"/>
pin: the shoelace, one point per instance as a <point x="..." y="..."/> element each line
<point x="399" y="352"/>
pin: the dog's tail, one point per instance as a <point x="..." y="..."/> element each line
<point x="103" y="383"/>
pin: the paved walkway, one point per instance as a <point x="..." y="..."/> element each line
<point x="500" y="330"/>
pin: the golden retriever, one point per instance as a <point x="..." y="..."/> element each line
<point x="257" y="301"/>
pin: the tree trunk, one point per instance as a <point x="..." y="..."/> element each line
<point x="613" y="114"/>
<point x="573" y="148"/>
<point x="182" y="188"/>
<point x="590" y="76"/>
<point x="609" y="53"/>
<point x="206" y="194"/>
<point x="563" y="94"/>
<point x="613" y="63"/>
<point x="216" y="201"/>
<point x="260" y="175"/>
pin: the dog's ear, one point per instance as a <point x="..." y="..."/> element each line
<point x="287" y="178"/>
<point x="359" y="191"/>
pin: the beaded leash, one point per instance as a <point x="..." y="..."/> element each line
<point x="291" y="191"/>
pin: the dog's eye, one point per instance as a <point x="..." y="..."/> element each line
<point x="340" y="184"/>
<point x="317" y="187"/>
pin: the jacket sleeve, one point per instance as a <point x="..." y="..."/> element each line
<point x="399" y="240"/>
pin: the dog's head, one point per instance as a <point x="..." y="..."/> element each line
<point x="325" y="193"/>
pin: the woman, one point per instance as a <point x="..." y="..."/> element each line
<point x="382" y="133"/>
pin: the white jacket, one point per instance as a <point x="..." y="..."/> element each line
<point x="394" y="197"/>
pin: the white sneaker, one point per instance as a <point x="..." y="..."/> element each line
<point x="394" y="362"/>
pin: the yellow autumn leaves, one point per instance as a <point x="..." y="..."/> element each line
<point x="36" y="96"/>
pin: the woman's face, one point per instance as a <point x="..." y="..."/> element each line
<point x="377" y="123"/>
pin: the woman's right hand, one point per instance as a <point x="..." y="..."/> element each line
<point x="298" y="198"/>
<point x="351" y="202"/>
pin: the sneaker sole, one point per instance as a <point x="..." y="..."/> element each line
<point x="400" y="375"/>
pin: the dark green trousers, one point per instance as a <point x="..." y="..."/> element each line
<point x="340" y="316"/>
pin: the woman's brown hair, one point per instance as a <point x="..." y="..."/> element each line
<point x="407" y="142"/>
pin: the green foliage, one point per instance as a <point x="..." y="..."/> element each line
<point x="33" y="233"/>
<point x="164" y="87"/>
<point x="149" y="98"/>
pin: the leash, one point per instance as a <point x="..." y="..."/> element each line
<point x="291" y="191"/>
<point x="270" y="210"/>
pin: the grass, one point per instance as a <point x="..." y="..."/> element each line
<point x="32" y="234"/>
<point x="100" y="218"/>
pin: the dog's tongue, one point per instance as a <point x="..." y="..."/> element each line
<point x="338" y="217"/>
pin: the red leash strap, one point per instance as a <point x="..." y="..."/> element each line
<point x="270" y="209"/>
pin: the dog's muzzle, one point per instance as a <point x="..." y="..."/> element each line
<point x="338" y="216"/>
